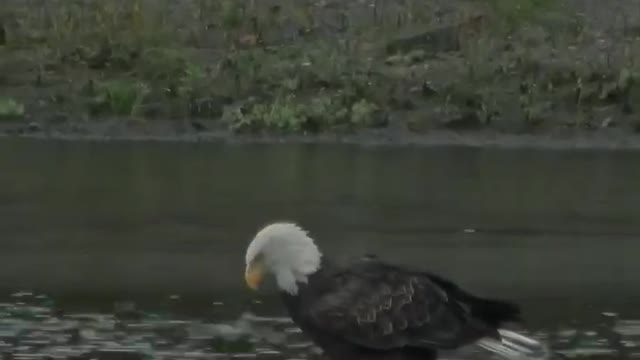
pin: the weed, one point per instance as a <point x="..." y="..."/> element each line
<point x="309" y="68"/>
<point x="515" y="13"/>
<point x="120" y="97"/>
<point x="10" y="109"/>
<point x="232" y="13"/>
<point x="327" y="111"/>
<point x="283" y="114"/>
<point x="288" y="114"/>
<point x="160" y="64"/>
<point x="362" y="113"/>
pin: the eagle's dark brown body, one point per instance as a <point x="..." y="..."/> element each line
<point x="373" y="310"/>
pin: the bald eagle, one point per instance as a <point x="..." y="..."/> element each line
<point x="370" y="309"/>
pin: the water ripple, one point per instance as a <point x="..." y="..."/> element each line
<point x="32" y="328"/>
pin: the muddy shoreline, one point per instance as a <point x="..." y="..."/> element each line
<point x="579" y="140"/>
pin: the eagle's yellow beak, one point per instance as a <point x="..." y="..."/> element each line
<point x="253" y="274"/>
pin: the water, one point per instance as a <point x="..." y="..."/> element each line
<point x="165" y="225"/>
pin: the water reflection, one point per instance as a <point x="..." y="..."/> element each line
<point x="93" y="223"/>
<point x="34" y="327"/>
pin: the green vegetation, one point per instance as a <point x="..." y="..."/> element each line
<point x="513" y="14"/>
<point x="120" y="97"/>
<point x="306" y="67"/>
<point x="10" y="109"/>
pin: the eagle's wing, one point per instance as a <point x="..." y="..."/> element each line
<point x="382" y="307"/>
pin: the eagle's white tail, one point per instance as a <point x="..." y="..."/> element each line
<point x="514" y="346"/>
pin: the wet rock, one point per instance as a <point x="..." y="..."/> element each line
<point x="57" y="118"/>
<point x="615" y="91"/>
<point x="36" y="343"/>
<point x="456" y="119"/>
<point x="416" y="56"/>
<point x="439" y="39"/>
<point x="268" y="354"/>
<point x="76" y="355"/>
<point x="100" y="59"/>
<point x="535" y="114"/>
<point x="198" y="125"/>
<point x="231" y="346"/>
<point x="127" y="310"/>
<point x="394" y="59"/>
<point x="74" y="336"/>
<point x="152" y="110"/>
<point x="608" y="319"/>
<point x="442" y="39"/>
<point x="173" y="333"/>
<point x="428" y="89"/>
<point x="627" y="108"/>
<point x="207" y="108"/>
<point x="608" y="122"/>
<point x="11" y="336"/>
<point x="401" y="103"/>
<point x="88" y="88"/>
<point x="421" y="121"/>
<point x="118" y="354"/>
<point x="33" y="127"/>
<point x="25" y="312"/>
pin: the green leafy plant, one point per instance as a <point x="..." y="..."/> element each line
<point x="284" y="114"/>
<point x="514" y="13"/>
<point x="121" y="97"/>
<point x="362" y="113"/>
<point x="11" y="108"/>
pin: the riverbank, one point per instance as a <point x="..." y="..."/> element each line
<point x="443" y="73"/>
<point x="613" y="139"/>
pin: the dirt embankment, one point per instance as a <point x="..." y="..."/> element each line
<point x="373" y="71"/>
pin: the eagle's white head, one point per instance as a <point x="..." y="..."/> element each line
<point x="284" y="250"/>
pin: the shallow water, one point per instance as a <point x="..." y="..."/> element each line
<point x="165" y="225"/>
<point x="33" y="327"/>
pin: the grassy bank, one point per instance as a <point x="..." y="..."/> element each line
<point x="313" y="66"/>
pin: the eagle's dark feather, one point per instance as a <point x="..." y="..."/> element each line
<point x="374" y="307"/>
